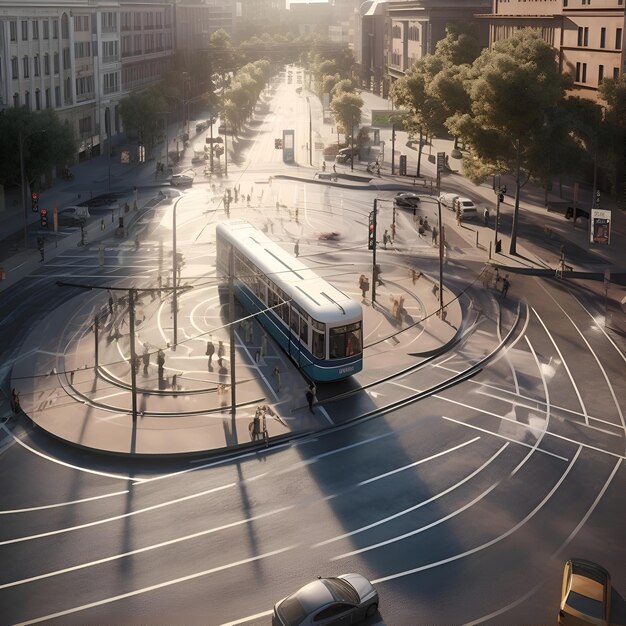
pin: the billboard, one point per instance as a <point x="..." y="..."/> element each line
<point x="600" y="226"/>
<point x="385" y="118"/>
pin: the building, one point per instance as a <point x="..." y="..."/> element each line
<point x="81" y="58"/>
<point x="589" y="36"/>
<point x="413" y="28"/>
<point x="369" y="45"/>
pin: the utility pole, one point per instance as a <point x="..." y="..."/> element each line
<point x="441" y="231"/>
<point x="133" y="353"/>
<point x="231" y="333"/>
<point x="351" y="140"/>
<point x="393" y="149"/>
<point x="372" y="243"/>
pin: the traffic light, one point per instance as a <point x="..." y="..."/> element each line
<point x="371" y="235"/>
<point x="278" y="144"/>
<point x="34" y="200"/>
<point x="501" y="197"/>
<point x="43" y="218"/>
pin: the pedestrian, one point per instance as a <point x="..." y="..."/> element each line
<point x="15" y="400"/>
<point x="160" y="362"/>
<point x="136" y="361"/>
<point x="296" y="248"/>
<point x="392" y="226"/>
<point x="102" y="226"/>
<point x="334" y="168"/>
<point x="248" y="199"/>
<point x="110" y="304"/>
<point x="323" y="166"/>
<point x="220" y="353"/>
<point x="458" y="216"/>
<point x="415" y="275"/>
<point x="377" y="273"/>
<point x="505" y="285"/>
<point x="309" y="398"/>
<point x="146" y="359"/>
<point x="385" y="238"/>
<point x="263" y="345"/>
<point x="486" y="216"/>
<point x="276" y="374"/>
<point x="297" y="211"/>
<point x="364" y="285"/>
<point x="434" y="236"/>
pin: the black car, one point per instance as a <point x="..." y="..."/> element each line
<point x="407" y="200"/>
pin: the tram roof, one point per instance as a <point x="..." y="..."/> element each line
<point x="319" y="298"/>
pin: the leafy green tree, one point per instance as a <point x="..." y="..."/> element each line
<point x="46" y="142"/>
<point x="346" y="108"/>
<point x="517" y="93"/>
<point x="142" y="115"/>
<point x="613" y="92"/>
<point x="346" y="86"/>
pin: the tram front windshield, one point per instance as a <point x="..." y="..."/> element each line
<point x="345" y="341"/>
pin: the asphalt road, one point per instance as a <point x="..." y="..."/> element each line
<point x="461" y="499"/>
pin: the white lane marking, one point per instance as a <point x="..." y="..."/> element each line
<point x="595" y="356"/>
<point x="539" y="403"/>
<point x="154" y="546"/>
<point x="491" y="542"/>
<point x="68" y="465"/>
<point x="161" y="505"/>
<point x="539" y="439"/>
<point x="417" y="506"/>
<point x="410" y="465"/>
<point x="519" y="443"/>
<point x="243" y="620"/>
<point x="421" y="529"/>
<point x="563" y="362"/>
<point x="167" y="583"/>
<point x="60" y="504"/>
<point x="485" y="618"/>
<point x="589" y="512"/>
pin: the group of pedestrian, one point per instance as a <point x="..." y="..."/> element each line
<point x="210" y="351"/>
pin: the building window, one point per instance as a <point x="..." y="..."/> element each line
<point x="580" y="35"/>
<point x="137" y="20"/>
<point x="36" y="65"/>
<point x="13" y="30"/>
<point x="48" y="97"/>
<point x="600" y="73"/>
<point x="16" y="100"/>
<point x="603" y="37"/>
<point x="67" y="89"/>
<point x="46" y="29"/>
<point x="616" y="73"/>
<point x="27" y="99"/>
<point x="56" y="62"/>
<point x="577" y="72"/>
<point x="66" y="58"/>
<point x="618" y="38"/>
<point x="55" y="29"/>
<point x="35" y="29"/>
<point x="15" y="72"/>
<point x="65" y="31"/>
<point x="24" y="30"/>
<point x="84" y="126"/>
<point x="25" y="65"/>
<point x="37" y="100"/>
<point x="584" y="76"/>
<point x="57" y="96"/>
<point x="586" y="40"/>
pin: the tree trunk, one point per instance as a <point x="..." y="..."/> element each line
<point x="419" y="155"/>
<point x="518" y="167"/>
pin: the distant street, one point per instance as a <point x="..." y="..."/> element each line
<point x="468" y="479"/>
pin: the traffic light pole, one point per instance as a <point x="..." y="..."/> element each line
<point x="374" y="272"/>
<point x="231" y="330"/>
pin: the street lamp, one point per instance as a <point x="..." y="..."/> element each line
<point x="21" y="139"/>
<point x="175" y="271"/>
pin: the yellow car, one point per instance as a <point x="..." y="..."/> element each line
<point x="585" y="595"/>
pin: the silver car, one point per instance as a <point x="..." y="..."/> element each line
<point x="346" y="599"/>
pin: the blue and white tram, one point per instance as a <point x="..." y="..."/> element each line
<point x="316" y="324"/>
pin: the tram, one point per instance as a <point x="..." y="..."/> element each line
<point x="319" y="326"/>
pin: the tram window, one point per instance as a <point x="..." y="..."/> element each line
<point x="345" y="341"/>
<point x="295" y="319"/>
<point x="318" y="344"/>
<point x="304" y="332"/>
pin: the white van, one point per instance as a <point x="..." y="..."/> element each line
<point x="467" y="207"/>
<point x="447" y="199"/>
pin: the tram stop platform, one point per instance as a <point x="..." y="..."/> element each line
<point x="75" y="383"/>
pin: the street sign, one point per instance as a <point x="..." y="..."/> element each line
<point x="600" y="227"/>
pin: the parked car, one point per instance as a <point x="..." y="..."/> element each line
<point x="346" y="599"/>
<point x="345" y="154"/>
<point x="447" y="199"/>
<point x="75" y="214"/>
<point x="406" y="199"/>
<point x="181" y="180"/>
<point x="585" y="594"/>
<point x="466" y="206"/>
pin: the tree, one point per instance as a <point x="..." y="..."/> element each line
<point x="142" y="115"/>
<point x="46" y="142"/>
<point x="613" y="92"/>
<point x="346" y="108"/>
<point x="516" y="93"/>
